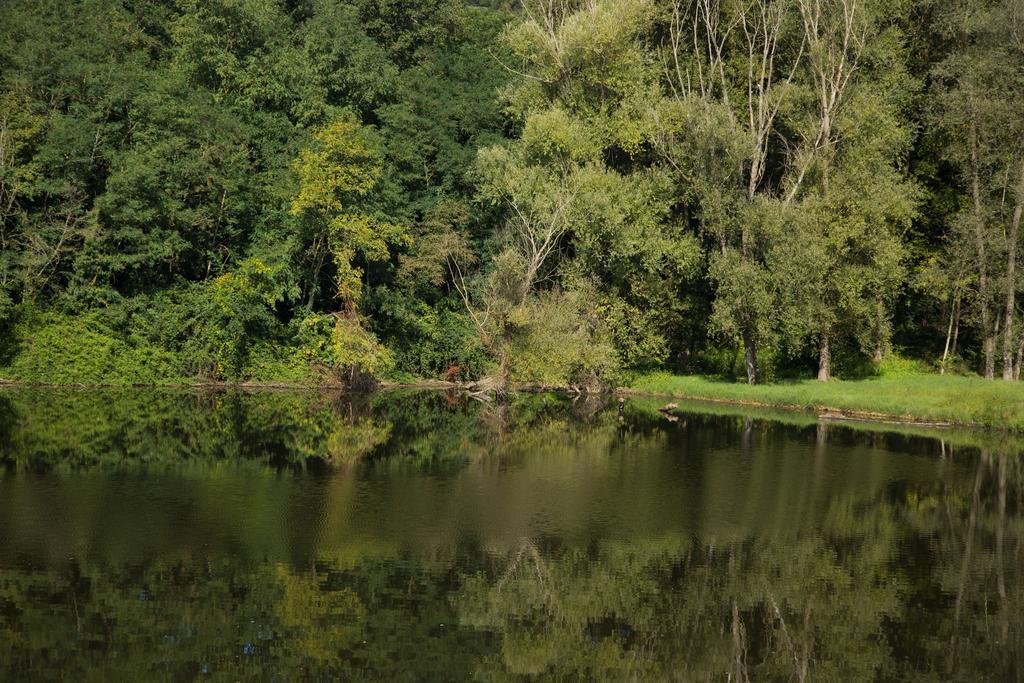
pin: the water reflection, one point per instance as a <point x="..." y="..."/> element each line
<point x="159" y="534"/>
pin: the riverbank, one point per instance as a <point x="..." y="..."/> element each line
<point x="915" y="399"/>
<point x="962" y="401"/>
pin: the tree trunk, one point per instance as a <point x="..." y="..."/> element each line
<point x="990" y="343"/>
<point x="1008" y="329"/>
<point x="989" y="347"/>
<point x="1020" y="359"/>
<point x="825" y="359"/>
<point x="881" y="335"/>
<point x="949" y="336"/>
<point x="750" y="357"/>
<point x="1011" y="282"/>
<point x="956" y="329"/>
<point x="982" y="259"/>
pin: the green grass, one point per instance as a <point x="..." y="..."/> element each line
<point x="933" y="398"/>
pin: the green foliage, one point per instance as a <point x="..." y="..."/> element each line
<point x="923" y="397"/>
<point x="895" y="364"/>
<point x="560" y="340"/>
<point x="202" y="178"/>
<point x="276" y="363"/>
<point x="585" y="53"/>
<point x="243" y="304"/>
<point x="727" y="363"/>
<point x="440" y="343"/>
<point x="60" y="349"/>
<point x="356" y="351"/>
<point x="343" y="167"/>
<point x="154" y="153"/>
<point x="637" y="334"/>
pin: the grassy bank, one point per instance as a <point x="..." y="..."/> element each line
<point x="930" y="398"/>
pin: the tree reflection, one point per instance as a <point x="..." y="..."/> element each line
<point x="749" y="610"/>
<point x="310" y="536"/>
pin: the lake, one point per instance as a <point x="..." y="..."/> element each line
<point x="225" y="535"/>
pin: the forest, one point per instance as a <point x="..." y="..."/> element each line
<point x="562" y="193"/>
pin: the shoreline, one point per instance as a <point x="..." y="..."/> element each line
<point x="824" y="412"/>
<point x="919" y="399"/>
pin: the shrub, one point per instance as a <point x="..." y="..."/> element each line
<point x="270" y="362"/>
<point x="440" y="341"/>
<point x="896" y="365"/>
<point x="358" y="356"/>
<point x="60" y="349"/>
<point x="212" y="326"/>
<point x="636" y="334"/>
<point x="559" y="339"/>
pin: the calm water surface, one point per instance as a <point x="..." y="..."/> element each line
<point x="170" y="535"/>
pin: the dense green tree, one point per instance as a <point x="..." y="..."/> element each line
<point x="584" y="210"/>
<point x="979" y="102"/>
<point x="334" y="175"/>
<point x="688" y="181"/>
<point x="729" y="69"/>
<point x="848" y="169"/>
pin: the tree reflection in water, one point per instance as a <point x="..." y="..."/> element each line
<point x="417" y="535"/>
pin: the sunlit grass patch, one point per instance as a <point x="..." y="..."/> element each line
<point x="962" y="400"/>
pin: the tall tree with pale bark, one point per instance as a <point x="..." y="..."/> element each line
<point x="980" y="96"/>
